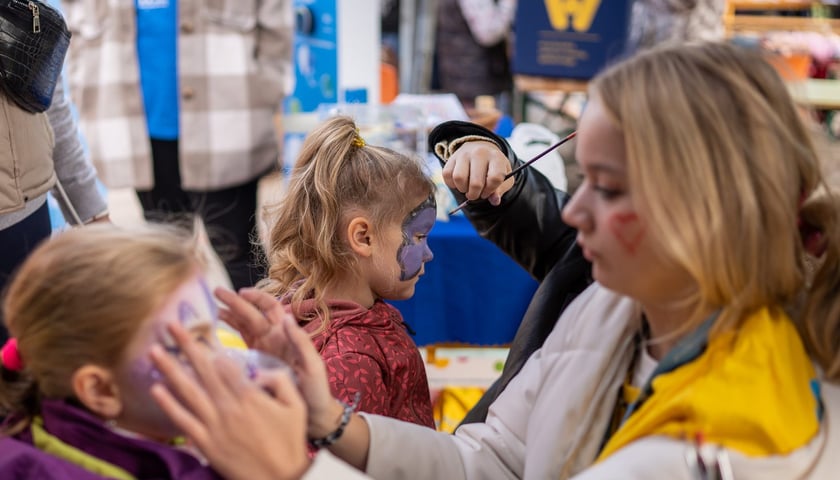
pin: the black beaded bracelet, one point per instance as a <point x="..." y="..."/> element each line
<point x="333" y="437"/>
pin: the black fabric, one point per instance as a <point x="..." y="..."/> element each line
<point x="465" y="67"/>
<point x="391" y="16"/>
<point x="33" y="43"/>
<point x="16" y="242"/>
<point x="528" y="228"/>
<point x="229" y="214"/>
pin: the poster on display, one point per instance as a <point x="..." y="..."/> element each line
<point x="336" y="58"/>
<point x="336" y="53"/>
<point x="569" y="38"/>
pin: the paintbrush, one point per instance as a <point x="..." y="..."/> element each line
<point x="520" y="167"/>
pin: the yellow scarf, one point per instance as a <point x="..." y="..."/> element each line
<point x="751" y="391"/>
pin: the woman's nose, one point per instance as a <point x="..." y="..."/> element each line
<point x="575" y="214"/>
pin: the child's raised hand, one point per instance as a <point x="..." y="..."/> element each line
<point x="477" y="169"/>
<point x="254" y="314"/>
<point x="266" y="325"/>
<point x="229" y="417"/>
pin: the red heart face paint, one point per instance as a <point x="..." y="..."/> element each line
<point x="628" y="230"/>
<point x="415" y="251"/>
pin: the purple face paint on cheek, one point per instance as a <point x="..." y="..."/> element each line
<point x="143" y="374"/>
<point x="193" y="308"/>
<point x="414" y="251"/>
<point x="187" y="314"/>
<point x="214" y="309"/>
<point x="141" y="412"/>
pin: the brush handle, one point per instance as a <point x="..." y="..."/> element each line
<point x="542" y="154"/>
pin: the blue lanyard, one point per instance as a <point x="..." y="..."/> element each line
<point x="686" y="350"/>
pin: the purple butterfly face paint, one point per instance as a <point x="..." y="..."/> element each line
<point x="192" y="306"/>
<point x="414" y="251"/>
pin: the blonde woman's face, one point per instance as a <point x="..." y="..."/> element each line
<point x="611" y="231"/>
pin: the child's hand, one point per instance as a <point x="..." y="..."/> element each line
<point x="477" y="169"/>
<point x="254" y="314"/>
<point x="230" y="418"/>
<point x="266" y="325"/>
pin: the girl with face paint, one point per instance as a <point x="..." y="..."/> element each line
<point x="350" y="233"/>
<point x="85" y="311"/>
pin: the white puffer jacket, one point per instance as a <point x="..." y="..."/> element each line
<point x="550" y="421"/>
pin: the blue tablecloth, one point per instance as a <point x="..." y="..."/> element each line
<point x="471" y="292"/>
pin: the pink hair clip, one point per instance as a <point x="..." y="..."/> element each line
<point x="10" y="356"/>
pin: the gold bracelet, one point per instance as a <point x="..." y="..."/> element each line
<point x="445" y="149"/>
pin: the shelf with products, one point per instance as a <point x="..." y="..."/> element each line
<point x="806" y="47"/>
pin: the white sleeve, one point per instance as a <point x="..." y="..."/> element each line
<point x="651" y="457"/>
<point x="400" y="450"/>
<point x="494" y="449"/>
<point x="489" y="21"/>
<point x="327" y="466"/>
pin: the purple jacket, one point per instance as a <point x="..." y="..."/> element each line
<point x="144" y="459"/>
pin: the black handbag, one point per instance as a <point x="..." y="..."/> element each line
<point x="33" y="42"/>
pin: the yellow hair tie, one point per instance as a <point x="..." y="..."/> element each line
<point x="358" y="141"/>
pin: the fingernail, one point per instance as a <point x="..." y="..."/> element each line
<point x="495" y="199"/>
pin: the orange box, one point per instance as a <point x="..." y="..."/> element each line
<point x="791" y="66"/>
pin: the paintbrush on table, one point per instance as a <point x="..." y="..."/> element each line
<point x="520" y="167"/>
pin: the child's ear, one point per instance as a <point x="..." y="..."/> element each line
<point x="97" y="389"/>
<point x="360" y="236"/>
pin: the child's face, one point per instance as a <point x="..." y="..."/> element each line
<point x="192" y="306"/>
<point x="405" y="243"/>
<point x="414" y="250"/>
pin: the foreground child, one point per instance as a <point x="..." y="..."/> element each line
<point x="84" y="312"/>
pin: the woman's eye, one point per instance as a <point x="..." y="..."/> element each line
<point x="608" y="193"/>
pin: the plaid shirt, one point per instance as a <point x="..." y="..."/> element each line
<point x="234" y="68"/>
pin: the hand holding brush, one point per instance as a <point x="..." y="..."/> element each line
<point x="524" y="165"/>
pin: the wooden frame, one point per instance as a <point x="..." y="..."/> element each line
<point x="762" y="23"/>
<point x="746" y="22"/>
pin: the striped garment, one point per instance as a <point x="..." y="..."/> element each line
<point x="235" y="67"/>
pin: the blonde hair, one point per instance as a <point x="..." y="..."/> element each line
<point x="337" y="176"/>
<point x="80" y="298"/>
<point x="723" y="166"/>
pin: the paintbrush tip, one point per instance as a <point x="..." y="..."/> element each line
<point x="459" y="207"/>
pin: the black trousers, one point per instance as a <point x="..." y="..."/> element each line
<point x="16" y="242"/>
<point x="229" y="214"/>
